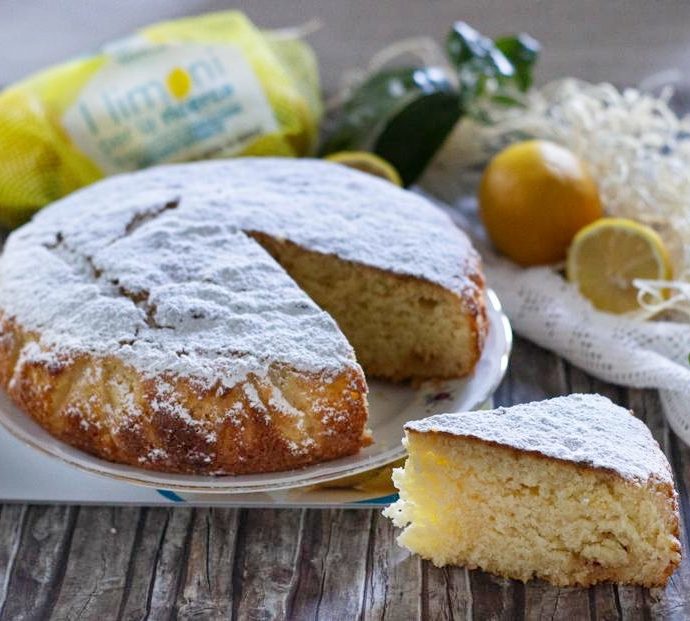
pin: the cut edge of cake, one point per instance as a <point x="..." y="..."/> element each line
<point x="401" y="327"/>
<point x="471" y="497"/>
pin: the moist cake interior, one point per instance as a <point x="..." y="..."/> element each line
<point x="400" y="327"/>
<point x="468" y="502"/>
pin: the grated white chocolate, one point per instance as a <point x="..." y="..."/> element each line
<point x="589" y="430"/>
<point x="158" y="269"/>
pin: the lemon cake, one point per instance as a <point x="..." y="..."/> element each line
<point x="573" y="490"/>
<point x="201" y="317"/>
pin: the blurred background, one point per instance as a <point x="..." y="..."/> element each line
<point x="621" y="41"/>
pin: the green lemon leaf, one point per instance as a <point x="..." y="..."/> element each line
<point x="522" y="51"/>
<point x="364" y="116"/>
<point x="413" y="136"/>
<point x="486" y="67"/>
<point x="405" y="114"/>
<point x="476" y="59"/>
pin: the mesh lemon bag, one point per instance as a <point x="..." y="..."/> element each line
<point x="211" y="86"/>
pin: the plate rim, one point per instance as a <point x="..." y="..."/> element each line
<point x="328" y="471"/>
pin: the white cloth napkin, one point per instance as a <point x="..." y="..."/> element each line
<point x="544" y="308"/>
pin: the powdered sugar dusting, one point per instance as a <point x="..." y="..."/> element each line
<point x="157" y="267"/>
<point x="586" y="429"/>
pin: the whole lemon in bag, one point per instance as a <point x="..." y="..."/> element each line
<point x="211" y="86"/>
<point x="534" y="197"/>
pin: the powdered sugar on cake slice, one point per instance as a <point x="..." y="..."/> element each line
<point x="586" y="429"/>
<point x="157" y="267"/>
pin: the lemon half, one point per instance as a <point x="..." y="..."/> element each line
<point x="368" y="163"/>
<point x="609" y="254"/>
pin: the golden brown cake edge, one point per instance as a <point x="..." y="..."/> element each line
<point x="78" y="402"/>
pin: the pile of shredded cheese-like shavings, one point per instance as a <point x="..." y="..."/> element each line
<point x="637" y="148"/>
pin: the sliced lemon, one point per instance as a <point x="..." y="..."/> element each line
<point x="368" y="163"/>
<point x="609" y="254"/>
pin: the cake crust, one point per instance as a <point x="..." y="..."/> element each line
<point x="170" y="424"/>
<point x="585" y="429"/>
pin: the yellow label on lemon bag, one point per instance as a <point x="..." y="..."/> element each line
<point x="158" y="104"/>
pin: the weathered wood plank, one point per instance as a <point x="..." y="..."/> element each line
<point x="633" y="603"/>
<point x="142" y="559"/>
<point x="207" y="589"/>
<point x="394" y="582"/>
<point x="305" y="599"/>
<point x="543" y="601"/>
<point x="157" y="564"/>
<point x="674" y="602"/>
<point x="39" y="565"/>
<point x="12" y="519"/>
<point x="533" y="374"/>
<point x="448" y="593"/>
<point x="170" y="566"/>
<point x="497" y="598"/>
<point x="603" y="602"/>
<point x="332" y="568"/>
<point x="96" y="571"/>
<point x="265" y="565"/>
<point x="345" y="564"/>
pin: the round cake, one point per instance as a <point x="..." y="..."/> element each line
<point x="204" y="318"/>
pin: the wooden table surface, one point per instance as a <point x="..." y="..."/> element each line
<point x="67" y="562"/>
<point x="156" y="563"/>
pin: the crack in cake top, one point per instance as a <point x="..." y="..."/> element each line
<point x="157" y="268"/>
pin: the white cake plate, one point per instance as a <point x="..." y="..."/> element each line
<point x="390" y="407"/>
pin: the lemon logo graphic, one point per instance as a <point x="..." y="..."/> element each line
<point x="179" y="83"/>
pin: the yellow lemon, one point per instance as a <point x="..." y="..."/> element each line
<point x="609" y="254"/>
<point x="368" y="163"/>
<point x="534" y="196"/>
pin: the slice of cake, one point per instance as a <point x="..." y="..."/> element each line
<point x="573" y="490"/>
